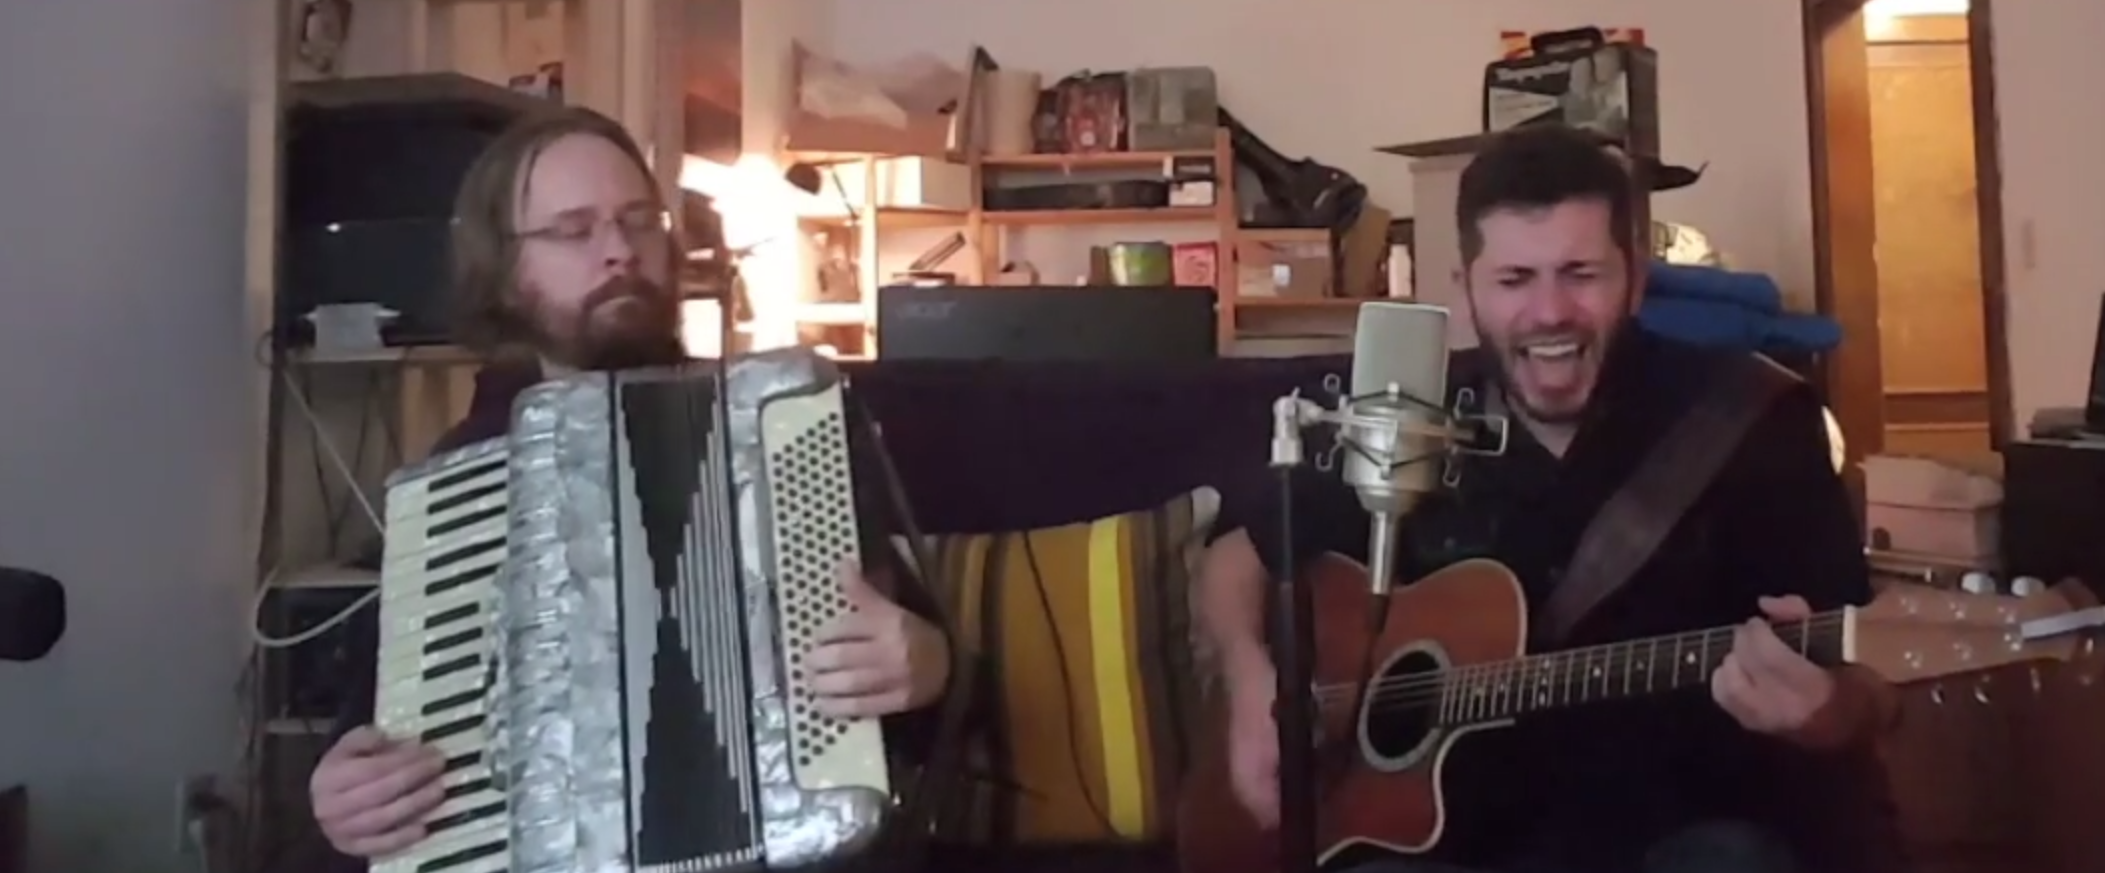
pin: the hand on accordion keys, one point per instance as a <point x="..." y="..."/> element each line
<point x="370" y="792"/>
<point x="878" y="658"/>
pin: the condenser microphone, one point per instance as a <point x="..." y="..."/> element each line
<point x="32" y="614"/>
<point x="1396" y="434"/>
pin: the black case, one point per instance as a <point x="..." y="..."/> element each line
<point x="1579" y="79"/>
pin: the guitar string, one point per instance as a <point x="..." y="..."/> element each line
<point x="1421" y="688"/>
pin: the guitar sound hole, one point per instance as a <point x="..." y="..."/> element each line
<point x="1401" y="713"/>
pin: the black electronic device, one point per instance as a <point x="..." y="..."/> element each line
<point x="372" y="166"/>
<point x="32" y="614"/>
<point x="2053" y="495"/>
<point x="1047" y="323"/>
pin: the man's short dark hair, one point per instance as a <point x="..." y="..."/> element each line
<point x="1537" y="167"/>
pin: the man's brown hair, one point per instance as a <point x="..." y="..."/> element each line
<point x="485" y="240"/>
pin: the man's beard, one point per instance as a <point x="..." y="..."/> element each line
<point x="625" y="323"/>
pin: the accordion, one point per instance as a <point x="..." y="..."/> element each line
<point x="600" y="620"/>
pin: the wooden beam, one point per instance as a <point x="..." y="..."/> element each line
<point x="1844" y="230"/>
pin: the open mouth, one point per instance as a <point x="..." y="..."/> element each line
<point x="1562" y="351"/>
<point x="1552" y="370"/>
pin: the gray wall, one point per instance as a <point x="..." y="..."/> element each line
<point x="127" y="409"/>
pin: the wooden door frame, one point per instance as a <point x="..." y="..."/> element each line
<point x="1845" y="273"/>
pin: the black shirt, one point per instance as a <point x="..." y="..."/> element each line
<point x="1595" y="786"/>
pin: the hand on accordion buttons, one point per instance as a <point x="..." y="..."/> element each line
<point x="369" y="793"/>
<point x="877" y="658"/>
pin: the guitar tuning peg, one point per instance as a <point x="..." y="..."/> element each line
<point x="1977" y="582"/>
<point x="2036" y="682"/>
<point x="2028" y="586"/>
<point x="1937" y="695"/>
<point x="1980" y="695"/>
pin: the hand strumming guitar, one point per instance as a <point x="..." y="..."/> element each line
<point x="878" y="659"/>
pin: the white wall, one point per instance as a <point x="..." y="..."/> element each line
<point x="1334" y="80"/>
<point x="2053" y="194"/>
<point x="125" y="462"/>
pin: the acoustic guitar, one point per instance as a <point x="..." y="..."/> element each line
<point x="1398" y="680"/>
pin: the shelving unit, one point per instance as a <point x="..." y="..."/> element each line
<point x="989" y="232"/>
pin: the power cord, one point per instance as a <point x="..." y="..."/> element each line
<point x="257" y="634"/>
<point x="1074" y="732"/>
<point x="296" y="392"/>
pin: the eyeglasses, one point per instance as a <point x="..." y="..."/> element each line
<point x="636" y="226"/>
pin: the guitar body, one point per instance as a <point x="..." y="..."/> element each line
<point x="1378" y="779"/>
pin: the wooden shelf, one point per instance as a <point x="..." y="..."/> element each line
<point x="1303" y="304"/>
<point x="1052" y="217"/>
<point x="416" y="356"/>
<point x="832" y="314"/>
<point x="1091" y="161"/>
<point x="905" y="216"/>
<point x="1281" y="235"/>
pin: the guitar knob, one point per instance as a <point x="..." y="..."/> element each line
<point x="1977" y="582"/>
<point x="2028" y="586"/>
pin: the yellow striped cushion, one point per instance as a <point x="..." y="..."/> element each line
<point x="1087" y="691"/>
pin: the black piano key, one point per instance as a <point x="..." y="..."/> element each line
<point x="453" y="640"/>
<point x="462" y="498"/>
<point x="465" y="475"/>
<point x="461" y="858"/>
<point x="467" y="519"/>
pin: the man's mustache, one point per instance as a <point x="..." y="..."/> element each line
<point x="622" y="288"/>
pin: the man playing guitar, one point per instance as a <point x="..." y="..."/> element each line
<point x="1773" y="770"/>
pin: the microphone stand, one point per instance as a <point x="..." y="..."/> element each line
<point x="1292" y="628"/>
<point x="1292" y="632"/>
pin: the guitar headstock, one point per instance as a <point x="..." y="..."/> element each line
<point x="1912" y="633"/>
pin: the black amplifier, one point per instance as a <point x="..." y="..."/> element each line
<point x="2053" y="497"/>
<point x="372" y="166"/>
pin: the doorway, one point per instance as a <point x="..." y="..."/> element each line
<point x="1933" y="347"/>
<point x="1908" y="222"/>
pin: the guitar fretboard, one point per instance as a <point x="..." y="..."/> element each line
<point x="1501" y="690"/>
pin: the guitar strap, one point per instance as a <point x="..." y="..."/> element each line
<point x="1637" y="518"/>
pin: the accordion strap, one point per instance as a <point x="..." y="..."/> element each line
<point x="944" y="765"/>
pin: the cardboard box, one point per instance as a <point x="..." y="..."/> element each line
<point x="913" y="107"/>
<point x="1933" y="507"/>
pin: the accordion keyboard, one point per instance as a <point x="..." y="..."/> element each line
<point x="445" y="543"/>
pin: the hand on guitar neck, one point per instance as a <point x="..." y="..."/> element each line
<point x="1449" y="659"/>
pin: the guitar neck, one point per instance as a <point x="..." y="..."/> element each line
<point x="1501" y="690"/>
